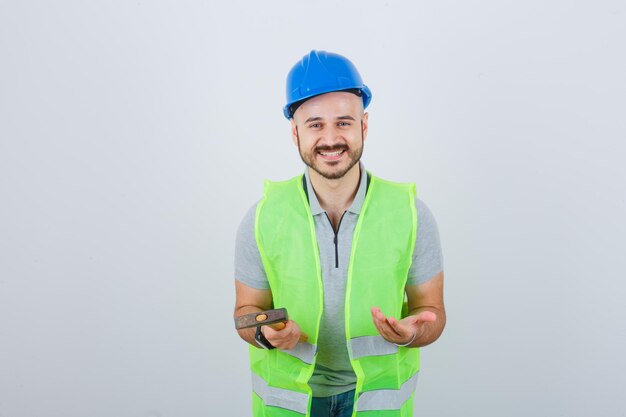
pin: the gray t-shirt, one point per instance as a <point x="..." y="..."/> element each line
<point x="333" y="372"/>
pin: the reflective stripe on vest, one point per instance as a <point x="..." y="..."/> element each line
<point x="280" y="397"/>
<point x="303" y="351"/>
<point x="387" y="399"/>
<point x="371" y="346"/>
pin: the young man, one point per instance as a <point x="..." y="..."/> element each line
<point x="354" y="259"/>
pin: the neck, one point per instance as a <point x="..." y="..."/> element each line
<point x="336" y="195"/>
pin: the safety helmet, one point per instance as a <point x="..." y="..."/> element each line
<point x="322" y="72"/>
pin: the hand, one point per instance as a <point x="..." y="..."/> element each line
<point x="403" y="331"/>
<point x="286" y="338"/>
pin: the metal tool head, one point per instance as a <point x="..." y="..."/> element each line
<point x="261" y="318"/>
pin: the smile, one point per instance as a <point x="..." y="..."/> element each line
<point x="331" y="156"/>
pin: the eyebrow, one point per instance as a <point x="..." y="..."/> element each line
<point x="317" y="118"/>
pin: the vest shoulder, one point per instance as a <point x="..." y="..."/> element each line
<point x="285" y="190"/>
<point x="391" y="185"/>
<point x="284" y="183"/>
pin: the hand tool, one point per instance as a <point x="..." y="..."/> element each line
<point x="274" y="318"/>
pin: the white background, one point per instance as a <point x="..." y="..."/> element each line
<point x="134" y="135"/>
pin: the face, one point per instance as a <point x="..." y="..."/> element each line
<point x="330" y="130"/>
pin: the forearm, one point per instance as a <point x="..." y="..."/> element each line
<point x="250" y="300"/>
<point x="426" y="301"/>
<point x="428" y="332"/>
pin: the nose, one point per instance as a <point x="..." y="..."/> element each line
<point x="331" y="136"/>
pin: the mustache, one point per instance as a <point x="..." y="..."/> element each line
<point x="334" y="148"/>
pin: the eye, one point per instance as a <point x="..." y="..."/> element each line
<point x="343" y="124"/>
<point x="315" y="125"/>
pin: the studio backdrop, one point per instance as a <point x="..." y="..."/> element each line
<point x="134" y="136"/>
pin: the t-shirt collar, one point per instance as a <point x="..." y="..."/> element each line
<point x="357" y="203"/>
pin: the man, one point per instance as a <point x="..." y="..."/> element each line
<point x="354" y="259"/>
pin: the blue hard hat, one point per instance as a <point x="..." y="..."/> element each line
<point x="322" y="72"/>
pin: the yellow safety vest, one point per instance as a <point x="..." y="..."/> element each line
<point x="381" y="254"/>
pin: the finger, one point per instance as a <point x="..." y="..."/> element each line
<point x="268" y="332"/>
<point x="287" y="332"/>
<point x="289" y="336"/>
<point x="384" y="323"/>
<point x="303" y="337"/>
<point x="401" y="329"/>
<point x="378" y="316"/>
<point x="390" y="328"/>
<point x="397" y="329"/>
<point x="276" y="337"/>
<point x="383" y="327"/>
<point x="384" y="331"/>
<point x="376" y="312"/>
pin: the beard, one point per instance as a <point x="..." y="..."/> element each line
<point x="331" y="169"/>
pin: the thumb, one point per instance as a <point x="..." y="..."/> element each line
<point x="268" y="331"/>
<point x="424" y="316"/>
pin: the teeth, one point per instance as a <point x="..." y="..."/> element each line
<point x="331" y="153"/>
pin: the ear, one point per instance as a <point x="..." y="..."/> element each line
<point x="364" y="122"/>
<point x="294" y="131"/>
